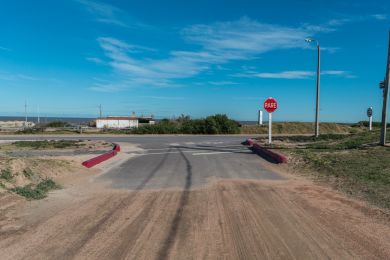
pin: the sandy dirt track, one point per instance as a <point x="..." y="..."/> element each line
<point x="229" y="219"/>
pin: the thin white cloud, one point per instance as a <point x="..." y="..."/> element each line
<point x="162" y="97"/>
<point x="2" y="48"/>
<point x="300" y="74"/>
<point x="217" y="44"/>
<point x="222" y="83"/>
<point x="149" y="71"/>
<point x="245" y="36"/>
<point x="16" y="76"/>
<point x="295" y="74"/>
<point x="110" y="14"/>
<point x="109" y="87"/>
<point x="105" y="13"/>
<point x="339" y="73"/>
<point x="380" y="16"/>
<point x="94" y="60"/>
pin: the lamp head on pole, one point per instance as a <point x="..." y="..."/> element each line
<point x="310" y="40"/>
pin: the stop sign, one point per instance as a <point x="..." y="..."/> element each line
<point x="270" y="105"/>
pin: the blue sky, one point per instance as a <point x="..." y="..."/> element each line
<point x="193" y="57"/>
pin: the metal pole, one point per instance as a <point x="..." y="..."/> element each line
<point x="385" y="97"/>
<point x="260" y="119"/>
<point x="269" y="128"/>
<point x="39" y="119"/>
<point x="317" y="123"/>
<point x="25" y="112"/>
<point x="370" y="123"/>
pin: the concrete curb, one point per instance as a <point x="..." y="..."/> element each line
<point x="103" y="157"/>
<point x="266" y="153"/>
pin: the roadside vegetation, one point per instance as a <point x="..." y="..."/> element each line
<point x="353" y="163"/>
<point x="216" y="124"/>
<point x="301" y="128"/>
<point x="38" y="191"/>
<point x="56" y="124"/>
<point x="37" y="187"/>
<point x="48" y="144"/>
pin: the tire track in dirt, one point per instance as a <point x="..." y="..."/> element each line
<point x="90" y="224"/>
<point x="128" y="201"/>
<point x="174" y="227"/>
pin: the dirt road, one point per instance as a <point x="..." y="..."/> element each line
<point x="225" y="218"/>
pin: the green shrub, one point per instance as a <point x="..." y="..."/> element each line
<point x="29" y="192"/>
<point x="6" y="175"/>
<point x="38" y="192"/>
<point x="216" y="124"/>
<point x="58" y="124"/>
<point x="32" y="130"/>
<point x="47" y="144"/>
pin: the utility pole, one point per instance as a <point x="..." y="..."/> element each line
<point x="100" y="110"/>
<point x="25" y="113"/>
<point x="39" y="119"/>
<point x="385" y="86"/>
<point x="317" y="118"/>
<point x="317" y="132"/>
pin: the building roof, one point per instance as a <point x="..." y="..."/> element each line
<point x="117" y="118"/>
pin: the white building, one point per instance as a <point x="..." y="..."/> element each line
<point x="116" y="122"/>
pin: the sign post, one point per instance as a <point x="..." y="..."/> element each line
<point x="270" y="105"/>
<point x="260" y="119"/>
<point x="369" y="114"/>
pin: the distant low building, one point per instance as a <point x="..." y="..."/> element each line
<point x="122" y="122"/>
<point x="118" y="122"/>
<point x="16" y="124"/>
<point x="146" y="120"/>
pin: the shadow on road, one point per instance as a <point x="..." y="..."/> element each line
<point x="170" y="239"/>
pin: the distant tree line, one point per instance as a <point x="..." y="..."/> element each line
<point x="57" y="124"/>
<point x="215" y="124"/>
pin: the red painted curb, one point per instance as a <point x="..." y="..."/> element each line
<point x="103" y="157"/>
<point x="117" y="148"/>
<point x="268" y="154"/>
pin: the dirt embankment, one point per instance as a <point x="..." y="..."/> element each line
<point x="25" y="176"/>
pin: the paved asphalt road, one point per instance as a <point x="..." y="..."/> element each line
<point x="187" y="162"/>
<point x="178" y="161"/>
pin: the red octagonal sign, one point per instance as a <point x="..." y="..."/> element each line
<point x="270" y="105"/>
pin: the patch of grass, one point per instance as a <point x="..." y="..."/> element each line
<point x="6" y="175"/>
<point x="305" y="138"/>
<point x="2" y="185"/>
<point x="355" y="164"/>
<point x="48" y="144"/>
<point x="38" y="192"/>
<point x="298" y="128"/>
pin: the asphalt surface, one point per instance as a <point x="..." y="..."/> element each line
<point x="188" y="162"/>
<point x="178" y="161"/>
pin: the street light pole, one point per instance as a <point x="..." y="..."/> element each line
<point x="317" y="117"/>
<point x="317" y="123"/>
<point x="385" y="86"/>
